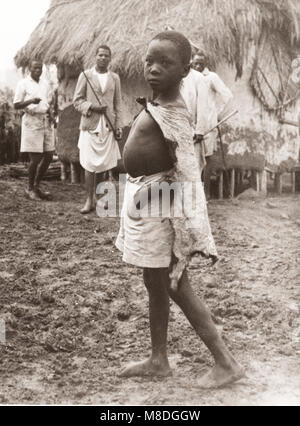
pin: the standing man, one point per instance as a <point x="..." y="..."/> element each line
<point x="34" y="96"/>
<point x="219" y="97"/>
<point x="98" y="148"/>
<point x="194" y="91"/>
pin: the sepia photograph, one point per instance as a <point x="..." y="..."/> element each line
<point x="150" y="205"/>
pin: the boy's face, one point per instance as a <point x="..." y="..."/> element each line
<point x="163" y="69"/>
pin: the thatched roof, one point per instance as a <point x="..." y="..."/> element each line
<point x="225" y="29"/>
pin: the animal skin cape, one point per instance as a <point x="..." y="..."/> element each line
<point x="192" y="229"/>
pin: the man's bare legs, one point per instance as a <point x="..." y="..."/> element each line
<point x="90" y="189"/>
<point x="35" y="159"/>
<point x="159" y="305"/>
<point x="226" y="369"/>
<point x="41" y="170"/>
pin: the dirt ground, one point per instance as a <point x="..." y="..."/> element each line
<point x="75" y="313"/>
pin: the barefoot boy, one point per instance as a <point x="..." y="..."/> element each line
<point x="160" y="148"/>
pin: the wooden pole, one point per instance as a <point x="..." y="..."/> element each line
<point x="278" y="183"/>
<point x="257" y="181"/>
<point x="232" y="183"/>
<point x="221" y="183"/>
<point x="293" y="179"/>
<point x="263" y="181"/>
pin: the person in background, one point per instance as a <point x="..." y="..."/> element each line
<point x="194" y="91"/>
<point x="219" y="100"/>
<point x="34" y="96"/>
<point x="98" y="148"/>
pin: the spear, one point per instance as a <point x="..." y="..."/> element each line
<point x="221" y="122"/>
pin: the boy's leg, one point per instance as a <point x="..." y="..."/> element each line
<point x="157" y="364"/>
<point x="226" y="369"/>
<point x="90" y="189"/>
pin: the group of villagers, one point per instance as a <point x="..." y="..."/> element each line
<point x="167" y="144"/>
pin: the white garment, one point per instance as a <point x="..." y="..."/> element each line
<point x="37" y="135"/>
<point x="102" y="80"/>
<point x="98" y="152"/>
<point x="218" y="96"/>
<point x="194" y="91"/>
<point x="28" y="89"/>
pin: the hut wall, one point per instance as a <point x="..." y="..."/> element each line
<point x="254" y="138"/>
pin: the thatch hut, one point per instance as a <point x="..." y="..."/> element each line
<point x="251" y="45"/>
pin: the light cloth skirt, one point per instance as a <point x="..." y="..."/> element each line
<point x="145" y="241"/>
<point x="99" y="151"/>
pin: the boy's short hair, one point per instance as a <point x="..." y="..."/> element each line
<point x="103" y="46"/>
<point x="181" y="42"/>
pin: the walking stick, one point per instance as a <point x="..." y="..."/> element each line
<point x="98" y="99"/>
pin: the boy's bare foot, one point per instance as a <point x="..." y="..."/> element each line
<point x="219" y="376"/>
<point x="32" y="195"/>
<point x="88" y="207"/>
<point x="147" y="368"/>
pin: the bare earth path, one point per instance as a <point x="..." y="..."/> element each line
<point x="75" y="313"/>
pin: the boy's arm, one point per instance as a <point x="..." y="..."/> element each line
<point x="79" y="100"/>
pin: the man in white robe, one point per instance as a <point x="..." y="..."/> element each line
<point x="219" y="101"/>
<point x="98" y="148"/>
